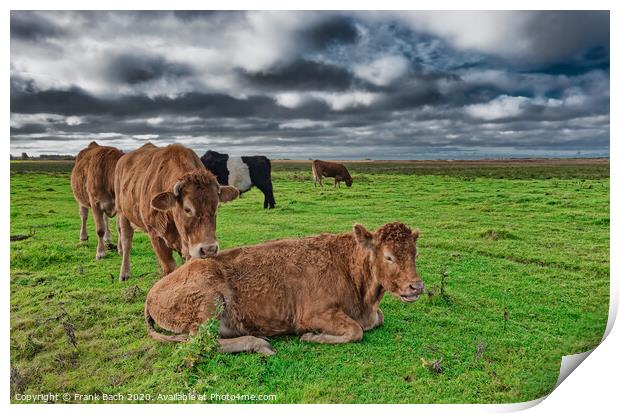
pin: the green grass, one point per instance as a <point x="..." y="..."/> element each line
<point x="526" y="265"/>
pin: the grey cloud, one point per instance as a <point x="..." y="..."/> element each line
<point x="134" y="69"/>
<point x="31" y="26"/>
<point x="303" y="75"/>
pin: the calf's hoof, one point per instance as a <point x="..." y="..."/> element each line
<point x="123" y="277"/>
<point x="100" y="255"/>
<point x="262" y="346"/>
<point x="83" y="238"/>
<point x="308" y="337"/>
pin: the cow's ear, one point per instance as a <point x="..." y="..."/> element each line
<point x="415" y="234"/>
<point x="163" y="201"/>
<point x="363" y="236"/>
<point x="228" y="193"/>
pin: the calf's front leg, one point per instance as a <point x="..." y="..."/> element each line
<point x="333" y="327"/>
<point x="245" y="344"/>
<point x="377" y="321"/>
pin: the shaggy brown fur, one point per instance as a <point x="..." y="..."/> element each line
<point x="92" y="182"/>
<point x="322" y="169"/>
<point x="169" y="194"/>
<point x="325" y="288"/>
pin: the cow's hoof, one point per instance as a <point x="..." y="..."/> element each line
<point x="100" y="256"/>
<point x="83" y="238"/>
<point x="123" y="278"/>
<point x="262" y="346"/>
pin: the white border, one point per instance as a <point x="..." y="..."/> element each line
<point x="591" y="388"/>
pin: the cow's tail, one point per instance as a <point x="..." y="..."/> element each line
<point x="150" y="328"/>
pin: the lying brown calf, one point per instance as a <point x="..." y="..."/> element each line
<point x="325" y="288"/>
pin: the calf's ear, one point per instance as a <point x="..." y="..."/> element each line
<point x="163" y="201"/>
<point x="228" y="193"/>
<point x="363" y="236"/>
<point x="415" y="234"/>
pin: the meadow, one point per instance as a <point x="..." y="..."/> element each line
<point x="515" y="257"/>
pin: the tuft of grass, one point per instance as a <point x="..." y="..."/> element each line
<point x="200" y="346"/>
<point x="494" y="235"/>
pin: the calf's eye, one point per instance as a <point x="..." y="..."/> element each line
<point x="188" y="211"/>
<point x="389" y="258"/>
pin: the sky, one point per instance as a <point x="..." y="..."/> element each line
<point x="332" y="85"/>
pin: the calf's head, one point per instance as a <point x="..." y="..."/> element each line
<point x="393" y="254"/>
<point x="193" y="202"/>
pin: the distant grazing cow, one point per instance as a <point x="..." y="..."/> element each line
<point x="92" y="182"/>
<point x="322" y="169"/>
<point x="242" y="173"/>
<point x="325" y="288"/>
<point x="169" y="194"/>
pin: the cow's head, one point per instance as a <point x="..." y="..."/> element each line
<point x="193" y="202"/>
<point x="393" y="255"/>
<point x="348" y="180"/>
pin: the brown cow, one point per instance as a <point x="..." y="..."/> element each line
<point x="322" y="169"/>
<point x="92" y="182"/>
<point x="325" y="288"/>
<point x="169" y="194"/>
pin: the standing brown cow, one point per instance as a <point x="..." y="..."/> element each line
<point x="322" y="169"/>
<point x="169" y="194"/>
<point x="325" y="288"/>
<point x="92" y="182"/>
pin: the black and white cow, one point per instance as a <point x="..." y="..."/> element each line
<point x="242" y="173"/>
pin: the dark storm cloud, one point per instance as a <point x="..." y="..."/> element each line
<point x="132" y="69"/>
<point x="334" y="30"/>
<point x="30" y="26"/>
<point x="303" y="84"/>
<point x="75" y="101"/>
<point x="566" y="35"/>
<point x="303" y="75"/>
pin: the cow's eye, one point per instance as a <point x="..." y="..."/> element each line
<point x="389" y="258"/>
<point x="187" y="210"/>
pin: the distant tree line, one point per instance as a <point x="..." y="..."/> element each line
<point x="43" y="157"/>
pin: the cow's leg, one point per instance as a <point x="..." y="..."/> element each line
<point x="246" y="344"/>
<point x="100" y="226"/>
<point x="107" y="238"/>
<point x="164" y="254"/>
<point x="267" y="189"/>
<point x="84" y="217"/>
<point x="119" y="244"/>
<point x="335" y="182"/>
<point x="334" y="327"/>
<point x="126" y="239"/>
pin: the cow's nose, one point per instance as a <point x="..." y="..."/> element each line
<point x="208" y="250"/>
<point x="418" y="287"/>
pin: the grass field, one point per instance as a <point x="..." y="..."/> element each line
<point x="522" y="249"/>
